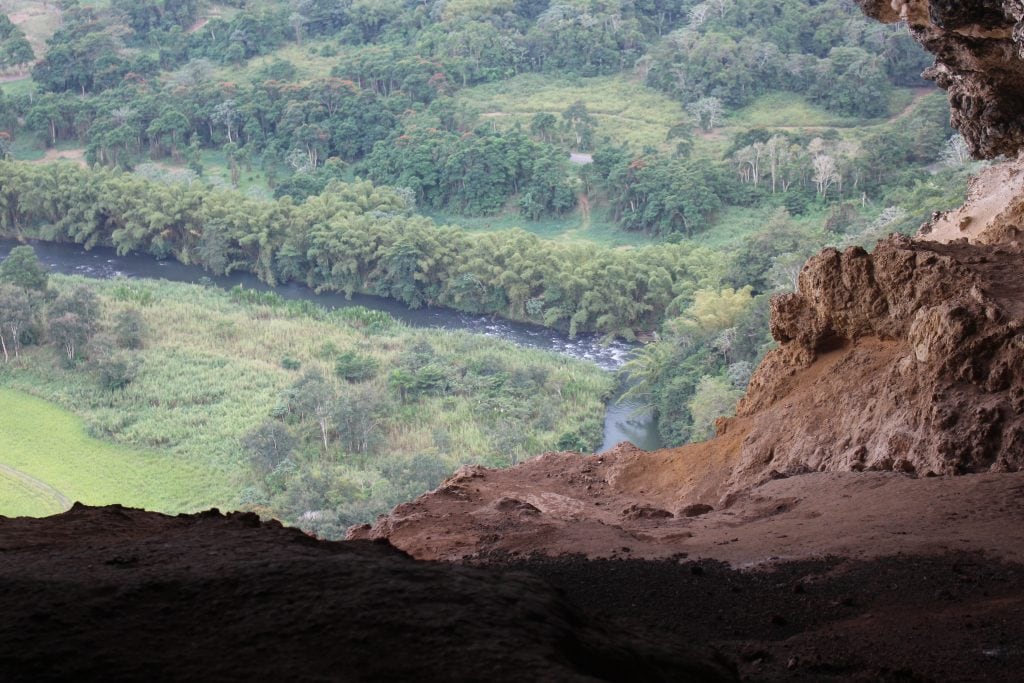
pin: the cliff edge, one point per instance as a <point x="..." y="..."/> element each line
<point x="896" y="371"/>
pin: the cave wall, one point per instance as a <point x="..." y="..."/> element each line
<point x="979" y="59"/>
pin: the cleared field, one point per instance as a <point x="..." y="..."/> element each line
<point x="625" y="110"/>
<point x="584" y="224"/>
<point x="789" y="110"/>
<point x="308" y="60"/>
<point x="47" y="457"/>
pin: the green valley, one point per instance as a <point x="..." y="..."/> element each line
<point x="185" y="386"/>
<point x="649" y="170"/>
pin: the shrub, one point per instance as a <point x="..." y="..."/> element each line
<point x="355" y="367"/>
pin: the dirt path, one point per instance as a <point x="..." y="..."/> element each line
<point x="198" y="25"/>
<point x="58" y="498"/>
<point x="77" y="155"/>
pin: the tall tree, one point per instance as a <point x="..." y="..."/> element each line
<point x="18" y="308"/>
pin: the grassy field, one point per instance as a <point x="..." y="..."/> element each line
<point x="18" y="86"/>
<point x="37" y="19"/>
<point x="18" y="499"/>
<point x="50" y="445"/>
<point x="308" y="60"/>
<point x="625" y="110"/>
<point x="734" y="224"/>
<point x="214" y="367"/>
<point x="790" y="110"/>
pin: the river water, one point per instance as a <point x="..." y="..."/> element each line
<point x="622" y="420"/>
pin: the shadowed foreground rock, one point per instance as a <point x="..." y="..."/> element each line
<point x="115" y="594"/>
<point x="119" y="594"/>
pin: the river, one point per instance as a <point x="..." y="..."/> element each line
<point x="622" y="421"/>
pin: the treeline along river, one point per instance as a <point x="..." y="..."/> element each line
<point x="621" y="423"/>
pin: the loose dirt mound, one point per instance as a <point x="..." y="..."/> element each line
<point x="117" y="594"/>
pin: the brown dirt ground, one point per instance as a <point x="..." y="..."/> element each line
<point x="123" y="595"/>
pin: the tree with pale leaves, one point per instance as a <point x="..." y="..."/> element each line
<point x="825" y="173"/>
<point x="708" y="111"/>
<point x="956" y="152"/>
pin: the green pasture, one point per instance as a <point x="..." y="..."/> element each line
<point x="51" y="446"/>
<point x="624" y="109"/>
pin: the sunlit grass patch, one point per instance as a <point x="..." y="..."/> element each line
<point x="18" y="499"/>
<point x="51" y="445"/>
<point x="625" y="110"/>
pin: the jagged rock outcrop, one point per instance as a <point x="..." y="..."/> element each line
<point x="979" y="58"/>
<point x="908" y="359"/>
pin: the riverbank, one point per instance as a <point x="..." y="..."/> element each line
<point x="404" y="406"/>
<point x="625" y="421"/>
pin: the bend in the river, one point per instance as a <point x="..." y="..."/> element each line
<point x="623" y="422"/>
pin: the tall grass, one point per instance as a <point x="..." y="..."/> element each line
<point x="214" y="367"/>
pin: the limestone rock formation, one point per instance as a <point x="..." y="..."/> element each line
<point x="979" y="58"/>
<point x="908" y="359"/>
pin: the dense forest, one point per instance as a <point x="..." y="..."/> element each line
<point x="134" y="82"/>
<point x="648" y="169"/>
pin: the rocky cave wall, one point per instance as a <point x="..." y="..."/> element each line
<point x="912" y="358"/>
<point x="979" y="59"/>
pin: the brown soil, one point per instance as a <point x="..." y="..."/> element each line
<point x="565" y="503"/>
<point x="905" y="618"/>
<point x="122" y="595"/>
<point x="992" y="212"/>
<point x="116" y="594"/>
<point x="76" y="155"/>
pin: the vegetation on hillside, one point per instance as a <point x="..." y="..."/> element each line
<point x="322" y="418"/>
<point x="356" y="237"/>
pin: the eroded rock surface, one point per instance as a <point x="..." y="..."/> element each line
<point x="909" y="359"/>
<point x="979" y="58"/>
